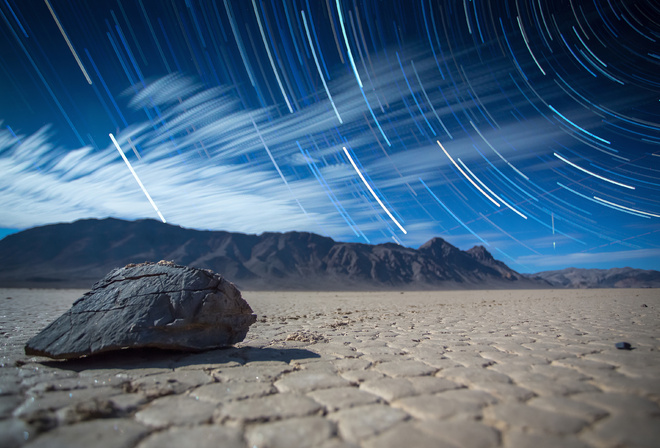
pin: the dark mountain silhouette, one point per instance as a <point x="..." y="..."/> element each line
<point x="600" y="278"/>
<point x="80" y="253"/>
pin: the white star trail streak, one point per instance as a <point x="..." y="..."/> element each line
<point x="270" y="57"/>
<point x="466" y="176"/>
<point x="318" y="67"/>
<point x="348" y="47"/>
<point x="128" y="164"/>
<point x="626" y="208"/>
<point x="592" y="173"/>
<point x="68" y="42"/>
<point x="357" y="170"/>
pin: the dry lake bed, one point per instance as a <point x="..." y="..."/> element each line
<point x="379" y="369"/>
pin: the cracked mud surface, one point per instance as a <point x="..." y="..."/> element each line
<point x="478" y="368"/>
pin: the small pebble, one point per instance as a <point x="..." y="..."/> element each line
<point x="623" y="346"/>
<point x="644" y="305"/>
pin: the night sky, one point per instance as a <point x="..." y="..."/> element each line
<point x="529" y="127"/>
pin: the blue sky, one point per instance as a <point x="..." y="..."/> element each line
<point x="528" y="127"/>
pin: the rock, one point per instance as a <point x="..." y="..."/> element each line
<point x="160" y="305"/>
<point x="623" y="346"/>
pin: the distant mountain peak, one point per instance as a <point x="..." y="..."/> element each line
<point x="436" y="241"/>
<point x="480" y="253"/>
<point x="600" y="278"/>
<point x="439" y="248"/>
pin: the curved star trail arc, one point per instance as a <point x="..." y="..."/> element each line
<point x="530" y="127"/>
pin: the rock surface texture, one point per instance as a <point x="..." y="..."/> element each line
<point x="159" y="305"/>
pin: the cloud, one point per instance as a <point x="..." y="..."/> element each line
<point x="203" y="163"/>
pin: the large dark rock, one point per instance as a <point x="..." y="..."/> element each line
<point x="160" y="305"/>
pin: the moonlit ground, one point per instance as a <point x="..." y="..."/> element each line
<point x="443" y="368"/>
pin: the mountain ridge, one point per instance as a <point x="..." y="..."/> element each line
<point x="600" y="278"/>
<point x="79" y="253"/>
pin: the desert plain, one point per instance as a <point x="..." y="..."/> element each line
<point x="496" y="368"/>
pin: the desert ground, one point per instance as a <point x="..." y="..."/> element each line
<point x="416" y="369"/>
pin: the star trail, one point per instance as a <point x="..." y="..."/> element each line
<point x="530" y="127"/>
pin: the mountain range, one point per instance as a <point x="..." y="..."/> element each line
<point x="75" y="255"/>
<point x="78" y="254"/>
<point x="600" y="278"/>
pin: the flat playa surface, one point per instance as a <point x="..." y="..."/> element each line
<point x="414" y="369"/>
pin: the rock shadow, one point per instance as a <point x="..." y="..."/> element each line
<point x="145" y="358"/>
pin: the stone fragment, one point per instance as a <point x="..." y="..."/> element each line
<point x="624" y="430"/>
<point x="506" y="392"/>
<point x="559" y="373"/>
<point x="569" y="406"/>
<point x="474" y="376"/>
<point x="224" y="392"/>
<point x="87" y="410"/>
<point x="526" y="418"/>
<point x="518" y="439"/>
<point x="265" y="371"/>
<point x="466" y="360"/>
<point x="431" y="384"/>
<point x="344" y="365"/>
<point x="314" y="365"/>
<point x="584" y="366"/>
<point x="176" y="410"/>
<point x="406" y="434"/>
<point x="619" y="403"/>
<point x="389" y="388"/>
<point x="311" y="337"/>
<point x="160" y="305"/>
<point x="437" y="407"/>
<point x="168" y="383"/>
<point x="305" y="381"/>
<point x="201" y="436"/>
<point x="14" y="433"/>
<point x="623" y="346"/>
<point x="9" y="380"/>
<point x="644" y="382"/>
<point x="33" y="375"/>
<point x="546" y="386"/>
<point x="292" y="433"/>
<point x="127" y="403"/>
<point x="465" y="433"/>
<point x="38" y="405"/>
<point x="75" y="383"/>
<point x="270" y="407"/>
<point x="477" y="397"/>
<point x="360" y="376"/>
<point x="103" y="433"/>
<point x="8" y="403"/>
<point x="405" y="368"/>
<point x="342" y="398"/>
<point x="361" y="422"/>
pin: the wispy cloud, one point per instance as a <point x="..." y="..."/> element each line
<point x="201" y="160"/>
